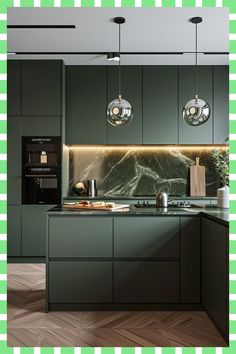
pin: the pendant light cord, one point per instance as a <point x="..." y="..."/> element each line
<point x="119" y="66"/>
<point x="196" y="59"/>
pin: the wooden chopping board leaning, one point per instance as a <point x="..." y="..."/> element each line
<point x="197" y="180"/>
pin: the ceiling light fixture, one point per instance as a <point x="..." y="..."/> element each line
<point x="113" y="56"/>
<point x="196" y="111"/>
<point x="119" y="111"/>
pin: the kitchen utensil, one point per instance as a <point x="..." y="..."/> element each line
<point x="92" y="187"/>
<point x="162" y="200"/>
<point x="197" y="180"/>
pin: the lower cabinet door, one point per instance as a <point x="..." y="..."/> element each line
<point x="14" y="230"/>
<point x="34" y="223"/>
<point x="146" y="282"/>
<point x="80" y="282"/>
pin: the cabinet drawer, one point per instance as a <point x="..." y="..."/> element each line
<point x="84" y="237"/>
<point x="80" y="282"/>
<point x="146" y="237"/>
<point x="146" y="282"/>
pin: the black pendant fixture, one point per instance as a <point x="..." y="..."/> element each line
<point x="196" y="111"/>
<point x="119" y="111"/>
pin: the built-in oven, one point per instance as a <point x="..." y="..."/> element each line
<point x="41" y="170"/>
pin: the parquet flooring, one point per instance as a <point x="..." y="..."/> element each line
<point x="29" y="325"/>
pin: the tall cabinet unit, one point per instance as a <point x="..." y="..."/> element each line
<point x="34" y="109"/>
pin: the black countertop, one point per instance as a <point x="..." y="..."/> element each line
<point x="135" y="197"/>
<point x="211" y="212"/>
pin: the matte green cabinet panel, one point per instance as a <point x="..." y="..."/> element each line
<point x="160" y="104"/>
<point x="86" y="105"/>
<point x="41" y="87"/>
<point x="80" y="282"/>
<point x="13" y="87"/>
<point x="190" y="260"/>
<point x="13" y="160"/>
<point x="221" y="103"/>
<point x="14" y="230"/>
<point x="146" y="237"/>
<point x="215" y="273"/>
<point x="131" y="77"/>
<point x="34" y="230"/>
<point x="81" y="237"/>
<point x="146" y="282"/>
<point x="41" y="125"/>
<point x="202" y="134"/>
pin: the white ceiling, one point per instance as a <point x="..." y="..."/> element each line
<point x="145" y="30"/>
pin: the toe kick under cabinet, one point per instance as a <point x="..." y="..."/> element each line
<point x="119" y="260"/>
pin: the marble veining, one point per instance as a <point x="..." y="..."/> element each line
<point x="140" y="172"/>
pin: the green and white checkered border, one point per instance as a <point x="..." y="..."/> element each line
<point x="231" y="4"/>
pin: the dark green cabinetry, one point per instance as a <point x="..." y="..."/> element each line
<point x="202" y="134"/>
<point x="86" y="105"/>
<point x="41" y="125"/>
<point x="215" y="287"/>
<point x="131" y="77"/>
<point x="34" y="225"/>
<point x="146" y="237"/>
<point x="221" y="104"/>
<point x="160" y="104"/>
<point x="80" y="282"/>
<point x="14" y="230"/>
<point x="146" y="282"/>
<point x="41" y="87"/>
<point x="84" y="238"/>
<point x="190" y="260"/>
<point x="14" y="87"/>
<point x="13" y="161"/>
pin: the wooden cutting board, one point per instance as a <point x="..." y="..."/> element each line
<point x="95" y="207"/>
<point x="197" y="180"/>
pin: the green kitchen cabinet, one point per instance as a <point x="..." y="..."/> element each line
<point x="41" y="87"/>
<point x="146" y="282"/>
<point x="214" y="273"/>
<point x="86" y="105"/>
<point x="14" y="87"/>
<point x="14" y="230"/>
<point x="41" y="125"/>
<point x="13" y="160"/>
<point x="190" y="260"/>
<point x="80" y="237"/>
<point x="34" y="222"/>
<point x="146" y="237"/>
<point x="160" y="104"/>
<point x="80" y="282"/>
<point x="131" y="78"/>
<point x="221" y="103"/>
<point x="201" y="134"/>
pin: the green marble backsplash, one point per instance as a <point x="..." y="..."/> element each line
<point x="137" y="171"/>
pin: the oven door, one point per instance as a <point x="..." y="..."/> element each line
<point x="41" y="189"/>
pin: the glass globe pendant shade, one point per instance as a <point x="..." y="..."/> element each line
<point x="119" y="112"/>
<point x="196" y="111"/>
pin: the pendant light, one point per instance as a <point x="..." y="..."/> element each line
<point x="119" y="111"/>
<point x="196" y="111"/>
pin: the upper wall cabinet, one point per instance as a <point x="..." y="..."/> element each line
<point x="131" y="79"/>
<point x="14" y="88"/>
<point x="221" y="104"/>
<point x="86" y="105"/>
<point x="202" y="134"/>
<point x="41" y="87"/>
<point x="160" y="104"/>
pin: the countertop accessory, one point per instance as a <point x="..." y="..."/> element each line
<point x="92" y="187"/>
<point x="79" y="188"/>
<point x="119" y="111"/>
<point x="162" y="200"/>
<point x="196" y="111"/>
<point x="197" y="180"/>
<point x="221" y="163"/>
<point x="106" y="206"/>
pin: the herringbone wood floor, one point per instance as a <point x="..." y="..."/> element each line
<point x="29" y="325"/>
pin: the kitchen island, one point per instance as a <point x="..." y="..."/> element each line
<point x="173" y="258"/>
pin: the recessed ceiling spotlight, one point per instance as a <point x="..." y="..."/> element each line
<point x="113" y="56"/>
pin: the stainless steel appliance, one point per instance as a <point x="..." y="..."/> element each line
<point x="41" y="170"/>
<point x="162" y="200"/>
